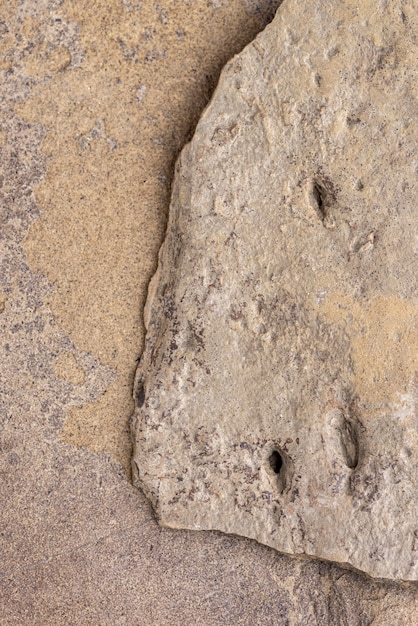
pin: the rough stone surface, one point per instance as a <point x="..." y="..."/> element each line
<point x="86" y="154"/>
<point x="277" y="394"/>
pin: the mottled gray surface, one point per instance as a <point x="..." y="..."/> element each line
<point x="277" y="394"/>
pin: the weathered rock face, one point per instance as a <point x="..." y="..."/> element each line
<point x="277" y="393"/>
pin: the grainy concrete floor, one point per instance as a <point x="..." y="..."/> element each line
<point x="97" y="98"/>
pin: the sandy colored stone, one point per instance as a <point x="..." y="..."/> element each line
<point x="277" y="394"/>
<point x="104" y="197"/>
<point x="67" y="368"/>
<point x="78" y="544"/>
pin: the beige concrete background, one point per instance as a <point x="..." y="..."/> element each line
<point x="97" y="98"/>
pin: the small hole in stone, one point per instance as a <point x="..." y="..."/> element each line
<point x="140" y="396"/>
<point x="276" y="461"/>
<point x="319" y="196"/>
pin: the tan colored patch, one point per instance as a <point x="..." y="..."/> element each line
<point x="67" y="368"/>
<point x="110" y="158"/>
<point x="59" y="59"/>
<point x="384" y="338"/>
<point x="30" y="26"/>
<point x="103" y="425"/>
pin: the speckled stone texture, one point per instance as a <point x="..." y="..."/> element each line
<point x="277" y="394"/>
<point x="96" y="100"/>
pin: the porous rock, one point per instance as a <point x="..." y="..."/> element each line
<point x="277" y="394"/>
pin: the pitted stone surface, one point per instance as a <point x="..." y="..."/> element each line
<point x="277" y="393"/>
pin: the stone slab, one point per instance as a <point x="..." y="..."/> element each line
<point x="277" y="393"/>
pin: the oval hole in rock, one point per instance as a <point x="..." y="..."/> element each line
<point x="276" y="461"/>
<point x="140" y="396"/>
<point x="319" y="197"/>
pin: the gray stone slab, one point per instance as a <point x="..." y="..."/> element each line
<point x="277" y="393"/>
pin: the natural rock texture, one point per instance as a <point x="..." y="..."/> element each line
<point x="277" y="394"/>
<point x="79" y="545"/>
